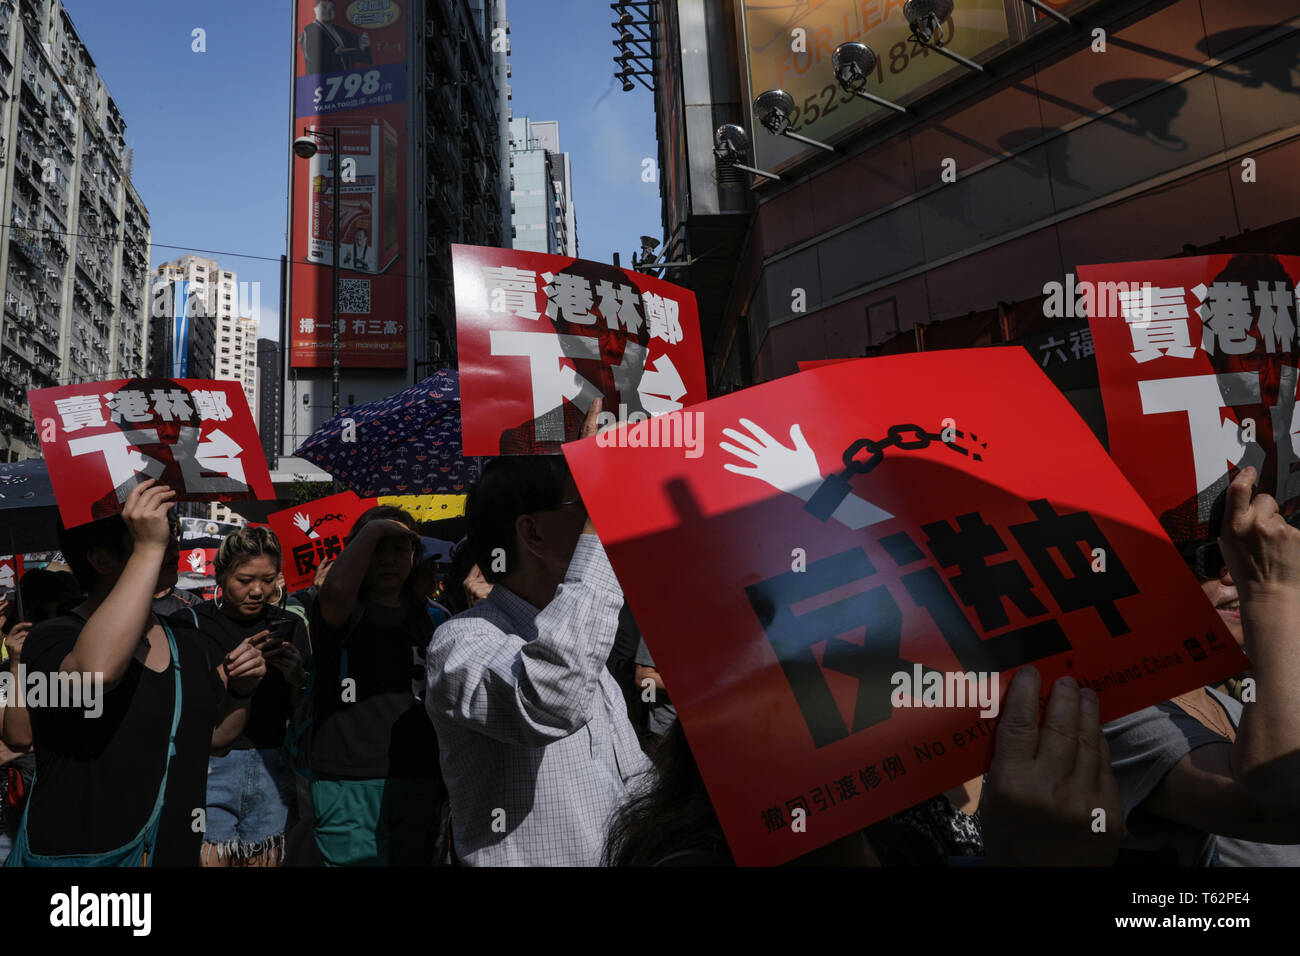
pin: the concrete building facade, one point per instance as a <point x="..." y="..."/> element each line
<point x="75" y="263"/>
<point x="542" y="213"/>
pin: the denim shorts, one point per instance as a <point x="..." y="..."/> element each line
<point x="249" y="796"/>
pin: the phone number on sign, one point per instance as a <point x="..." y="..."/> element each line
<point x="898" y="56"/>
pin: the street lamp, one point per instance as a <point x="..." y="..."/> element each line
<point x="304" y="147"/>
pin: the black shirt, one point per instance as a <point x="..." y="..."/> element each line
<point x="381" y="729"/>
<point x="97" y="778"/>
<point x="173" y="601"/>
<point x="272" y="706"/>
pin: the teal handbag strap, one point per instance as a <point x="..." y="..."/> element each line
<point x="21" y="850"/>
<point x="171" y="737"/>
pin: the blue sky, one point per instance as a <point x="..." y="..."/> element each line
<point x="210" y="130"/>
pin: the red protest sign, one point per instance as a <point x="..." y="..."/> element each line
<point x="312" y="533"/>
<point x="540" y="336"/>
<point x="11" y="571"/>
<point x="100" y="439"/>
<point x="1197" y="362"/>
<point x="811" y="364"/>
<point x="196" y="563"/>
<point x="794" y="605"/>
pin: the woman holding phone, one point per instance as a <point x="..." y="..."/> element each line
<point x="250" y="788"/>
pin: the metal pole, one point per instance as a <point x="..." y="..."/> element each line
<point x="1045" y="9"/>
<point x="756" y="172"/>
<point x="336" y="145"/>
<point x="879" y="101"/>
<point x="807" y="141"/>
<point x="969" y="64"/>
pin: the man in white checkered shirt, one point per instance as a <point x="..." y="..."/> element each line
<point x="536" y="747"/>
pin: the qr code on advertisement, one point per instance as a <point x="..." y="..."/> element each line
<point x="354" y="296"/>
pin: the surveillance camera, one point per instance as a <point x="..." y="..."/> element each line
<point x="853" y="63"/>
<point x="773" y="109"/>
<point x="304" y="147"/>
<point x="730" y="143"/>
<point x="926" y="18"/>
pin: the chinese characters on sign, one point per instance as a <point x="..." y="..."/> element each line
<point x="987" y="577"/>
<point x="1078" y="345"/>
<point x="542" y="336"/>
<point x="356" y="93"/>
<point x="820" y="560"/>
<point x="102" y="438"/>
<point x="1198" y="371"/>
<point x="313" y="533"/>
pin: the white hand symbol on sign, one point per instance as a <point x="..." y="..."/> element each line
<point x="793" y="471"/>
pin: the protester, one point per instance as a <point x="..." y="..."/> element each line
<point x="622" y="666"/>
<point x="17" y="763"/>
<point x="1205" y="779"/>
<point x="376" y="790"/>
<point x="476" y="586"/>
<point x="15" y="722"/>
<point x="250" y="788"/>
<point x="174" y="599"/>
<point x="660" y="712"/>
<point x="1043" y="787"/>
<point x="537" y="749"/>
<point x="465" y="584"/>
<point x="48" y="594"/>
<point x="427" y="578"/>
<point x="301" y="602"/>
<point x="120" y="771"/>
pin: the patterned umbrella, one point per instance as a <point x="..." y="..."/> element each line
<point x="408" y="443"/>
<point x="28" y="511"/>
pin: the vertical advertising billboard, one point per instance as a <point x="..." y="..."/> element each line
<point x="350" y="80"/>
<point x="180" y="363"/>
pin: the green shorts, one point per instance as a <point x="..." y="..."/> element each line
<point x="376" y="822"/>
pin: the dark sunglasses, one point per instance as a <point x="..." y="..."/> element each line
<point x="1205" y="560"/>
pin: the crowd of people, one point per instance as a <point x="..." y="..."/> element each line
<point x="502" y="709"/>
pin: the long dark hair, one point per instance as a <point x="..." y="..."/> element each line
<point x="672" y="815"/>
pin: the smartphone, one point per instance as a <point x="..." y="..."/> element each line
<point x="280" y="634"/>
